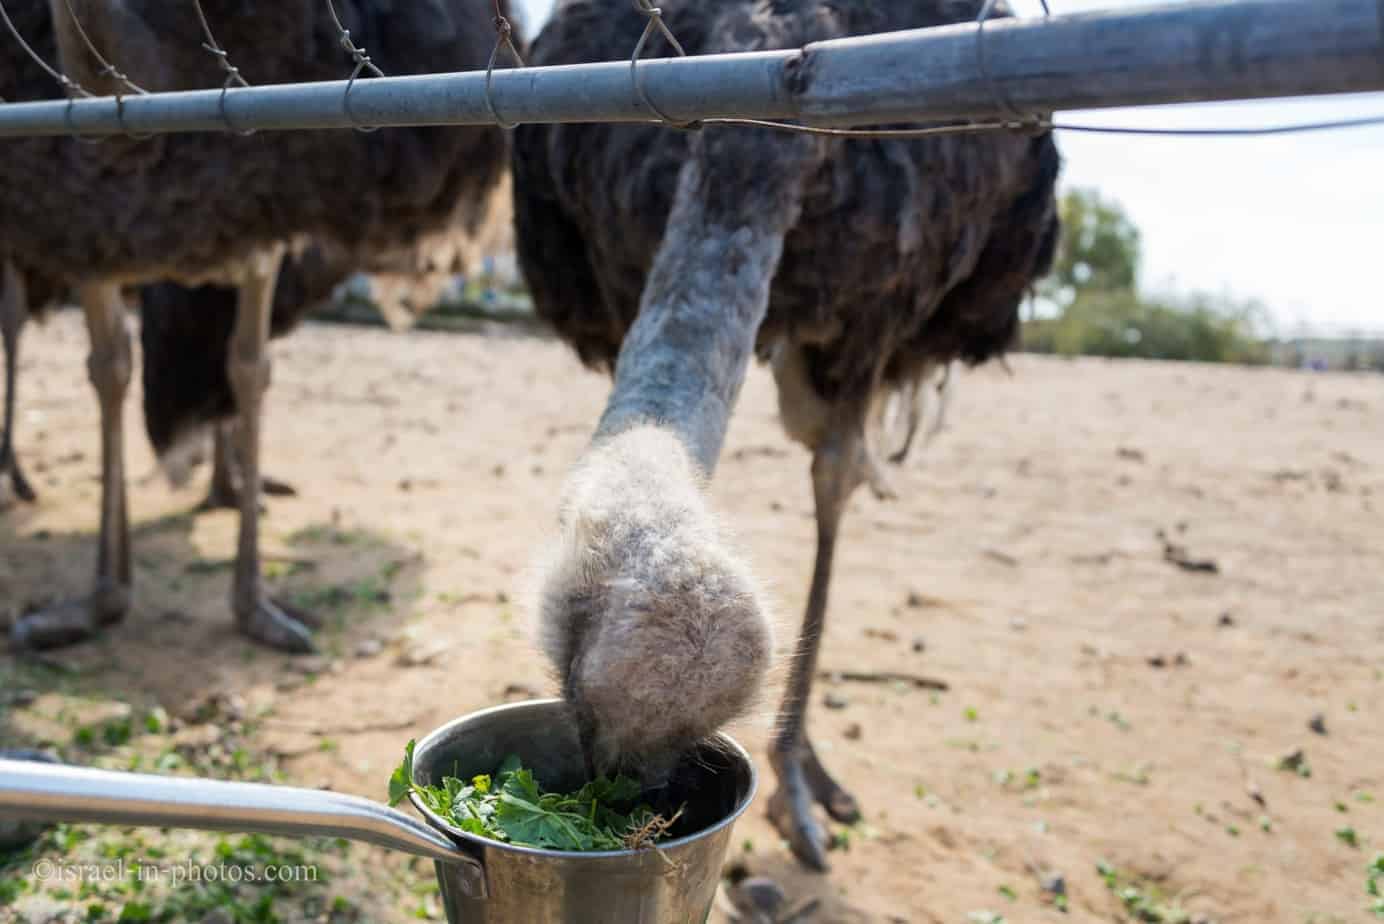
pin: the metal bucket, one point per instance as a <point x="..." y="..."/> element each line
<point x="673" y="884"/>
<point x="483" y="882"/>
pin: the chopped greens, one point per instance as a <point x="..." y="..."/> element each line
<point x="510" y="806"/>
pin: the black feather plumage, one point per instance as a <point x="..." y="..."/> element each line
<point x="907" y="253"/>
<point x="185" y="335"/>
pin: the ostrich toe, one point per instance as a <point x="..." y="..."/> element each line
<point x="223" y="496"/>
<point x="71" y="621"/>
<point x="277" y="625"/>
<point x="790" y="812"/>
<point x="227" y="479"/>
<point x="802" y="781"/>
<point x="273" y="487"/>
<point x="18" y="483"/>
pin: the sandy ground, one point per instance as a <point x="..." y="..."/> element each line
<point x="1105" y="704"/>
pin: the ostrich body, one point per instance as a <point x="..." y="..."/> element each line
<point x="857" y="269"/>
<point x="223" y="208"/>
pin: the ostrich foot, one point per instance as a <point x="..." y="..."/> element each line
<point x="227" y="497"/>
<point x="221" y="497"/>
<point x="790" y="812"/>
<point x="272" y="487"/>
<point x="71" y="622"/>
<point x="18" y="483"/>
<point x="226" y="477"/>
<point x="802" y="781"/>
<point x="840" y="804"/>
<point x="277" y="624"/>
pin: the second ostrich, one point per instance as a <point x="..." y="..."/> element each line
<point x="201" y="208"/>
<point x="855" y="268"/>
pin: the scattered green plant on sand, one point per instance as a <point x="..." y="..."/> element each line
<point x="1141" y="901"/>
<point x="1374" y="885"/>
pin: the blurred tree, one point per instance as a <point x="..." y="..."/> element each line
<point x="1198" y="327"/>
<point x="1101" y="313"/>
<point x="1100" y="248"/>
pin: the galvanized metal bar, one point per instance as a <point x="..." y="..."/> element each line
<point x="1201" y="51"/>
<point x="44" y="792"/>
<point x="1152" y="55"/>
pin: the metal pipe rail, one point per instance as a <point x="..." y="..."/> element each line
<point x="1188" y="52"/>
<point x="45" y="792"/>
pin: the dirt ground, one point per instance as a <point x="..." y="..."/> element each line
<point x="1106" y="705"/>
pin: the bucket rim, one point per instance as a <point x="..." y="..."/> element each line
<point x="723" y="741"/>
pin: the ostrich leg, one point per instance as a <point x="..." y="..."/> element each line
<point x="14" y="309"/>
<point x="109" y="367"/>
<point x="224" y="493"/>
<point x="840" y="464"/>
<point x="256" y="613"/>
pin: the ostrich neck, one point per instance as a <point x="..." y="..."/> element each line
<point x="683" y="362"/>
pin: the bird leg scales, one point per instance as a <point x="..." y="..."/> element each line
<point x="109" y="367"/>
<point x="256" y="613"/>
<point x="839" y="465"/>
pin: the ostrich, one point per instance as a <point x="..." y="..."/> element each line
<point x="202" y="208"/>
<point x="853" y="267"/>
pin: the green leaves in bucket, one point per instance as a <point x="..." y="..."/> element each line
<point x="510" y="806"/>
<point x="401" y="780"/>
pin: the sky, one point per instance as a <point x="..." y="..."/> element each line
<point x="1296" y="221"/>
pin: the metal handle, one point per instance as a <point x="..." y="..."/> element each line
<point x="48" y="792"/>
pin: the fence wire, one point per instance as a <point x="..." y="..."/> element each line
<point x="223" y="60"/>
<point x="363" y="63"/>
<point x="107" y="68"/>
<point x="68" y="85"/>
<point x="504" y="39"/>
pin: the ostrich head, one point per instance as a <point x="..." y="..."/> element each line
<point x="655" y="628"/>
